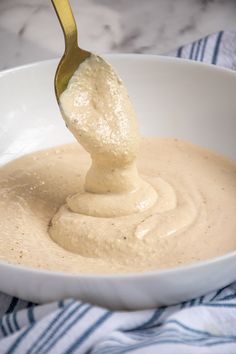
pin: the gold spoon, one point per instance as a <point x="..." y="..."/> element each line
<point x="73" y="55"/>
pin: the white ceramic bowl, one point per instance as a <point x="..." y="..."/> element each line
<point x="172" y="98"/>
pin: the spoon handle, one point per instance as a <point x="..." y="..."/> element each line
<point x="67" y="21"/>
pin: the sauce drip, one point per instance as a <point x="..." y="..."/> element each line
<point x="99" y="113"/>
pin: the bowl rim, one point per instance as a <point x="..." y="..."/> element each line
<point x="132" y="56"/>
<point x="123" y="276"/>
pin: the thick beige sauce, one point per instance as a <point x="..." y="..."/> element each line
<point x="194" y="220"/>
<point x="104" y="211"/>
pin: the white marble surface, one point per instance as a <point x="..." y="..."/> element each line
<point x="29" y="30"/>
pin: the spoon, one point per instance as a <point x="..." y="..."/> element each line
<point x="73" y="55"/>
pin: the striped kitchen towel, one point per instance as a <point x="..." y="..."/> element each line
<point x="218" y="48"/>
<point x="203" y="325"/>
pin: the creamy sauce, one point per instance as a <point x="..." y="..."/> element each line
<point x="105" y="210"/>
<point x="193" y="219"/>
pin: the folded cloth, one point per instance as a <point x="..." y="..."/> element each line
<point x="203" y="325"/>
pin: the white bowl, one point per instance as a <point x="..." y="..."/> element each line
<point x="172" y="97"/>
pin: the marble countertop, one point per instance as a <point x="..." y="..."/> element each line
<point x="29" y="30"/>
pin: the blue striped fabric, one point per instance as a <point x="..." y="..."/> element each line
<point x="218" y="48"/>
<point x="203" y="325"/>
